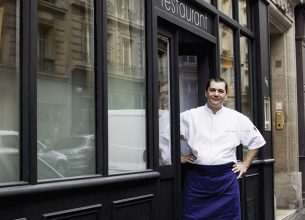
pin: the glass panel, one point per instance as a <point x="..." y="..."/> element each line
<point x="245" y="76"/>
<point x="9" y="91"/>
<point x="164" y="101"/>
<point x="226" y="7"/>
<point x="243" y="13"/>
<point x="245" y="80"/>
<point x="126" y="86"/>
<point x="65" y="90"/>
<point x="188" y="89"/>
<point x="227" y="62"/>
<point x="209" y="1"/>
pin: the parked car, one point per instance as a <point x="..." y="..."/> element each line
<point x="54" y="158"/>
<point x="127" y="140"/>
<point x="10" y="143"/>
<point x="126" y="148"/>
<point x="80" y="152"/>
<point x="10" y="171"/>
<point x="9" y="164"/>
<point x="46" y="171"/>
<point x="9" y="138"/>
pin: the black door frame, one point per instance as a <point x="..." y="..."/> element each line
<point x="170" y="174"/>
<point x="170" y="180"/>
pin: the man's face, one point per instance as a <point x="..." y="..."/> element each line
<point x="216" y="95"/>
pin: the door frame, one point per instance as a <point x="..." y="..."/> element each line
<point x="171" y="175"/>
<point x="170" y="183"/>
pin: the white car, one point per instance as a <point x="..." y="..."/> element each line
<point x="54" y="158"/>
<point x="10" y="144"/>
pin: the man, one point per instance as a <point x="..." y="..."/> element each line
<point x="213" y="132"/>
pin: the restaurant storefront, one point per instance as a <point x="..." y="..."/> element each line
<point x="87" y="87"/>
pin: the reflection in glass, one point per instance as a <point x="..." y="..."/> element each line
<point x="126" y="86"/>
<point x="227" y="62"/>
<point x="245" y="77"/>
<point x="226" y="7"/>
<point x="245" y="80"/>
<point x="65" y="90"/>
<point x="188" y="89"/>
<point x="164" y="101"/>
<point x="243" y="12"/>
<point x="188" y="82"/>
<point x="9" y="91"/>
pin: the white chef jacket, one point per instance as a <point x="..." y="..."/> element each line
<point x="213" y="138"/>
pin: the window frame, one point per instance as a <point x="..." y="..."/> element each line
<point x="249" y="33"/>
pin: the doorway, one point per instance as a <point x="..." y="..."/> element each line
<point x="185" y="62"/>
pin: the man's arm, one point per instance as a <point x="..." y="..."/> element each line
<point x="241" y="168"/>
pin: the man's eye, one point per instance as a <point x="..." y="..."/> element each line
<point x="221" y="91"/>
<point x="212" y="90"/>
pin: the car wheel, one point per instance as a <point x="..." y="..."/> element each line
<point x="62" y="168"/>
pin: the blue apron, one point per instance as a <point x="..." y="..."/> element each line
<point x="211" y="193"/>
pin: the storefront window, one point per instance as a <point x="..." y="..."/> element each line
<point x="126" y="86"/>
<point x="9" y="91"/>
<point x="243" y="13"/>
<point x="65" y="89"/>
<point x="245" y="76"/>
<point x="227" y="70"/>
<point x="226" y="7"/>
<point x="164" y="101"/>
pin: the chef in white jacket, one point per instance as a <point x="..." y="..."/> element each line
<point x="213" y="132"/>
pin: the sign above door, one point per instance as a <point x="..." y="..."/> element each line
<point x="187" y="14"/>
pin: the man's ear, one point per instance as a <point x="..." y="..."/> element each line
<point x="205" y="94"/>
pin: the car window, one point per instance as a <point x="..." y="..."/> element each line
<point x="68" y="143"/>
<point x="10" y="141"/>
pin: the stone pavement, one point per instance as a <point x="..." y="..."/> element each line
<point x="300" y="215"/>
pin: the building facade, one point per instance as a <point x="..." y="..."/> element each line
<point x="88" y="86"/>
<point x="299" y="39"/>
<point x="288" y="122"/>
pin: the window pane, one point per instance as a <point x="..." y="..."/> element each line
<point x="9" y="91"/>
<point x="245" y="76"/>
<point x="209" y="1"/>
<point x="188" y="90"/>
<point x="243" y="12"/>
<point x="226" y="7"/>
<point x="164" y="101"/>
<point x="65" y="90"/>
<point x="126" y="86"/>
<point x="227" y="62"/>
<point x="245" y="80"/>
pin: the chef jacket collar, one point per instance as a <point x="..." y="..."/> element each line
<point x="211" y="112"/>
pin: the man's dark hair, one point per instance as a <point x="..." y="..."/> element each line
<point x="216" y="79"/>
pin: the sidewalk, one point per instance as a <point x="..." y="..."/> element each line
<point x="284" y="214"/>
<point x="299" y="215"/>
